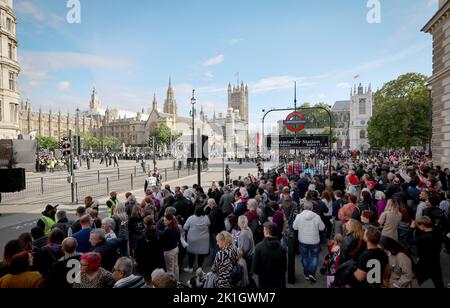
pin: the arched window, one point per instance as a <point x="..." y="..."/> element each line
<point x="362" y="134"/>
<point x="362" y="106"/>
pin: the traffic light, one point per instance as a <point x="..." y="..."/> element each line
<point x="66" y="148"/>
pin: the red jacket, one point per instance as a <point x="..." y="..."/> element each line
<point x="282" y="181"/>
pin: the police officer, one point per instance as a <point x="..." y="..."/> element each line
<point x="48" y="218"/>
<point x="111" y="204"/>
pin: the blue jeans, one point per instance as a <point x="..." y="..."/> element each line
<point x="310" y="258"/>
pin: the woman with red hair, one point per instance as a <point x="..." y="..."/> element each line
<point x="92" y="275"/>
<point x="19" y="276"/>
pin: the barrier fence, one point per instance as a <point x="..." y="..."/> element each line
<point x="96" y="183"/>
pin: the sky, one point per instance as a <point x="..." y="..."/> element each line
<point x="129" y="49"/>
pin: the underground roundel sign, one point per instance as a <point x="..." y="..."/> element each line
<point x="295" y="122"/>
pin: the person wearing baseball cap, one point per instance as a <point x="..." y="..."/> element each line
<point x="48" y="218"/>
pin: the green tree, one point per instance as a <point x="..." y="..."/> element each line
<point x="89" y="141"/>
<point x="401" y="113"/>
<point x="48" y="143"/>
<point x="164" y="135"/>
<point x="317" y="118"/>
<point x="334" y="138"/>
<point x="110" y="142"/>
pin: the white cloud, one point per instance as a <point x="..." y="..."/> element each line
<point x="28" y="8"/>
<point x="215" y="60"/>
<point x="343" y="85"/>
<point x="209" y="76"/>
<point x="433" y="2"/>
<point x="398" y="56"/>
<point x="322" y="96"/>
<point x="64" y="86"/>
<point x="279" y="82"/>
<point x="36" y="66"/>
<point x="235" y="41"/>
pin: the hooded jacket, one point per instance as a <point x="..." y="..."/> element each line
<point x="308" y="225"/>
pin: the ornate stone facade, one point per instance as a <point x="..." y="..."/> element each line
<point x="439" y="27"/>
<point x="361" y="105"/>
<point x="9" y="73"/>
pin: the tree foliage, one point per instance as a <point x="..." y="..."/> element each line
<point x="90" y="142"/>
<point x="48" y="143"/>
<point x="164" y="135"/>
<point x="317" y="118"/>
<point x="334" y="138"/>
<point x="110" y="142"/>
<point x="401" y="113"/>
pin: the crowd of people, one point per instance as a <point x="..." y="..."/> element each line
<point x="388" y="208"/>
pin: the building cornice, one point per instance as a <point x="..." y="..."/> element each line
<point x="438" y="75"/>
<point x="7" y="9"/>
<point x="11" y="63"/>
<point x="443" y="13"/>
<point x="9" y="35"/>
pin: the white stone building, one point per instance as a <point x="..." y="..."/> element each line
<point x="361" y="105"/>
<point x="9" y="73"/>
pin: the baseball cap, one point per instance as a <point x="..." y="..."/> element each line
<point x="51" y="206"/>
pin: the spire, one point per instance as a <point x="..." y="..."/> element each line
<point x="155" y="103"/>
<point x="170" y="105"/>
<point x="370" y="87"/>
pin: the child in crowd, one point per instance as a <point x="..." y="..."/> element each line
<point x="332" y="259"/>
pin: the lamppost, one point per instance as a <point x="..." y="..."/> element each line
<point x="193" y="102"/>
<point x="78" y="148"/>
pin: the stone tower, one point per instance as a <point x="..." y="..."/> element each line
<point x="170" y="105"/>
<point x="238" y="100"/>
<point x="361" y="104"/>
<point x="94" y="104"/>
<point x="9" y="88"/>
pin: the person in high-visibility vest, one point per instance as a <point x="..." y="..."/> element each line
<point x="111" y="203"/>
<point x="48" y="218"/>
